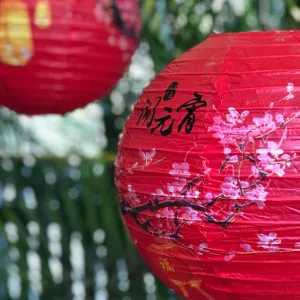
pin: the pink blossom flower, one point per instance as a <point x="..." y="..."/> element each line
<point x="257" y="194"/>
<point x="132" y="196"/>
<point x="279" y="118"/>
<point x="217" y="120"/>
<point x="277" y="169"/>
<point x="167" y="213"/>
<point x="147" y="156"/>
<point x="289" y="97"/>
<point x="208" y="197"/>
<point x="234" y="117"/>
<point x="159" y="192"/>
<point x="229" y="256"/>
<point x="244" y="184"/>
<point x="265" y="159"/>
<point x="290" y="87"/>
<point x="222" y="131"/>
<point x="170" y="188"/>
<point x="246" y="247"/>
<point x="274" y="149"/>
<point x="252" y="132"/>
<point x="227" y="151"/>
<point x="244" y="114"/>
<point x="190" y="215"/>
<point x="206" y="170"/>
<point x="180" y="170"/>
<point x="269" y="241"/>
<point x="285" y="157"/>
<point x="265" y="124"/>
<point x="203" y="248"/>
<point x="226" y="133"/>
<point x="230" y="188"/>
<point x="239" y="133"/>
<point x="290" y="90"/>
<point x="192" y="194"/>
<point x="176" y="186"/>
<point x="233" y="159"/>
<point x="255" y="171"/>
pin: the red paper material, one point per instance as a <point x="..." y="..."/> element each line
<point x="56" y="56"/>
<point x="208" y="169"/>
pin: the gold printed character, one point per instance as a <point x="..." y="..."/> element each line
<point x="16" y="47"/>
<point x="166" y="265"/>
<point x="42" y="14"/>
<point x="196" y="284"/>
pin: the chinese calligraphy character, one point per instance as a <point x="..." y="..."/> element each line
<point x="166" y="122"/>
<point x="147" y="113"/>
<point x="190" y="106"/>
<point x="170" y="91"/>
<point x="162" y="122"/>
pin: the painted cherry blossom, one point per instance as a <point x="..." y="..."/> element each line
<point x="253" y="154"/>
<point x="177" y="189"/>
<point x="279" y="118"/>
<point x="132" y="196"/>
<point x="297" y="245"/>
<point x="246" y="247"/>
<point x="234" y="117"/>
<point x="166" y="213"/>
<point x="290" y="90"/>
<point x="147" y="156"/>
<point x="229" y="256"/>
<point x="230" y="188"/>
<point x="269" y="242"/>
<point x="227" y="151"/>
<point x="203" y="248"/>
<point x="163" y="224"/>
<point x="176" y="186"/>
<point x="268" y="158"/>
<point x="190" y="215"/>
<point x="264" y="124"/>
<point x="180" y="170"/>
<point x="257" y="195"/>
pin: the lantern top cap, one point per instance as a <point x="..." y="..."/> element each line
<point x="259" y="38"/>
<point x="256" y="33"/>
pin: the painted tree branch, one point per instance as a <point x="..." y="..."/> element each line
<point x="253" y="150"/>
<point x="155" y="206"/>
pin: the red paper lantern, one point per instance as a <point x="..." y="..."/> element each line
<point x="208" y="169"/>
<point x="56" y="56"/>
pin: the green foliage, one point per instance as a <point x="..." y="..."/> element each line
<point x="80" y="199"/>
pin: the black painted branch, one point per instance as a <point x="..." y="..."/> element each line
<point x="159" y="205"/>
<point x="190" y="184"/>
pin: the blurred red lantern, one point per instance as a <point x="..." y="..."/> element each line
<point x="208" y="169"/>
<point x="56" y="56"/>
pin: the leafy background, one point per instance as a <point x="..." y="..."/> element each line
<point x="61" y="233"/>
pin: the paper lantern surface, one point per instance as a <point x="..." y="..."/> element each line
<point x="56" y="56"/>
<point x="208" y="169"/>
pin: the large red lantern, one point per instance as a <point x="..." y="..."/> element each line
<point x="208" y="169"/>
<point x="56" y="56"/>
